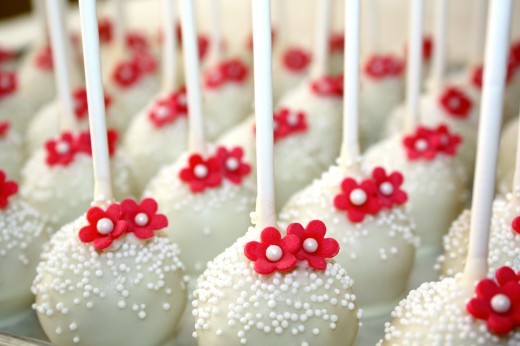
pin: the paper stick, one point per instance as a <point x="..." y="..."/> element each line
<point x="439" y="39"/>
<point x="265" y="202"/>
<point x="496" y="55"/>
<point x="197" y="140"/>
<point x="96" y="102"/>
<point x="414" y="65"/>
<point x="350" y="145"/>
<point x="170" y="47"/>
<point x="321" y="43"/>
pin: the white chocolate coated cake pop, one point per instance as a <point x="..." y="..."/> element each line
<point x="57" y="179"/>
<point x="38" y="70"/>
<point x="113" y="266"/>
<point x="11" y="150"/>
<point x="22" y="236"/>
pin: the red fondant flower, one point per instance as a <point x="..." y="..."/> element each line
<point x="6" y="55"/>
<point x="85" y="146"/>
<point x="384" y="66"/>
<point x="314" y="247"/>
<point x="296" y="59"/>
<point x="4" y="128"/>
<point x="328" y="86"/>
<point x="419" y="145"/>
<point x="233" y="166"/>
<point x="136" y="41"/>
<point x="514" y="54"/>
<point x="516" y="224"/>
<point x="444" y="141"/>
<point x="7" y="189"/>
<point x="142" y="218"/>
<point x="357" y="199"/>
<point x="455" y="102"/>
<point x="203" y="44"/>
<point x="61" y="151"/>
<point x="288" y="122"/>
<point x="273" y="252"/>
<point x="389" y="188"/>
<point x="8" y="83"/>
<point x="126" y="74"/>
<point x="145" y="62"/>
<point x="169" y="109"/>
<point x="104" y="226"/>
<point x="230" y="71"/>
<point x="105" y="30"/>
<point x="43" y="59"/>
<point x="201" y="173"/>
<point x="427" y="48"/>
<point x="81" y="104"/>
<point x="337" y="42"/>
<point x="497" y="303"/>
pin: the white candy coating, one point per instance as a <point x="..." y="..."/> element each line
<point x="377" y="252"/>
<point x="12" y="154"/>
<point x="506" y="158"/>
<point x="233" y="305"/>
<point x="36" y="83"/>
<point x="17" y="109"/>
<point x="135" y="293"/>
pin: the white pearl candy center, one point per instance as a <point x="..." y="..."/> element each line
<point x="500" y="303"/>
<point x="141" y="219"/>
<point x="232" y="164"/>
<point x="62" y="147"/>
<point x="273" y="253"/>
<point x="162" y="112"/>
<point x="386" y="188"/>
<point x="421" y="145"/>
<point x="454" y="102"/>
<point x="105" y="226"/>
<point x="358" y="197"/>
<point x="292" y="119"/>
<point x="310" y="245"/>
<point x="200" y="171"/>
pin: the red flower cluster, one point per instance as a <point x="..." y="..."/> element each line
<point x="516" y="224"/>
<point x="229" y="71"/>
<point x="274" y="253"/>
<point x="328" y="86"/>
<point x="426" y="143"/>
<point x="203" y="173"/>
<point x="296" y="59"/>
<point x="498" y="301"/>
<point x="168" y="109"/>
<point x="43" y="59"/>
<point x="105" y="30"/>
<point x="384" y="66"/>
<point x="455" y="102"/>
<point x="4" y="127"/>
<point x="136" y="41"/>
<point x="63" y="150"/>
<point x="8" y="83"/>
<point x="478" y="73"/>
<point x="381" y="191"/>
<point x="7" y="189"/>
<point x="337" y="42"/>
<point x="288" y="122"/>
<point x="81" y="105"/>
<point x="105" y="226"/>
<point x="129" y="72"/>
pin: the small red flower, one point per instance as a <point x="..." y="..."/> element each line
<point x="84" y="144"/>
<point x="6" y="55"/>
<point x="136" y="41"/>
<point x="357" y="199"/>
<point x="273" y="253"/>
<point x="7" y="189"/>
<point x="288" y="122"/>
<point x="4" y="128"/>
<point x="497" y="303"/>
<point x="8" y="83"/>
<point x="314" y="247"/>
<point x="455" y="102"/>
<point x="145" y="62"/>
<point x="233" y="166"/>
<point x="384" y="66"/>
<point x="81" y="105"/>
<point x="105" y="29"/>
<point x="328" y="86"/>
<point x="419" y="145"/>
<point x="61" y="151"/>
<point x="142" y="218"/>
<point x="427" y="48"/>
<point x="516" y="224"/>
<point x="169" y="109"/>
<point x="444" y="141"/>
<point x="230" y="71"/>
<point x="296" y="59"/>
<point x="337" y="42"/>
<point x="43" y="59"/>
<point x="104" y="226"/>
<point x="126" y="74"/>
<point x="201" y="173"/>
<point x="478" y="73"/>
<point x="389" y="188"/>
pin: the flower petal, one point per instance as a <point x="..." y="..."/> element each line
<point x="478" y="308"/>
<point x="505" y="274"/>
<point x="87" y="234"/>
<point x="316" y="229"/>
<point x="102" y="243"/>
<point x="254" y="250"/>
<point x="317" y="262"/>
<point x="264" y="267"/>
<point x="296" y="229"/>
<point x="329" y="247"/>
<point x="499" y="324"/>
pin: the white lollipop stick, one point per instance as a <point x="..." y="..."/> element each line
<point x="197" y="140"/>
<point x="478" y="38"/>
<point x="265" y="202"/>
<point x="120" y="24"/>
<point x="488" y="138"/>
<point x="373" y="29"/>
<point x="350" y="145"/>
<point x="321" y="43"/>
<point x="439" y="53"/>
<point x="170" y="47"/>
<point x="414" y="65"/>
<point x="96" y="102"/>
<point x="62" y="62"/>
<point x="216" y="34"/>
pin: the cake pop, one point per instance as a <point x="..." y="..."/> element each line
<point x="113" y="265"/>
<point x="268" y="288"/>
<point x="506" y="166"/>
<point x="23" y="233"/>
<point x="11" y="150"/>
<point x="455" y="311"/>
<point x="15" y="105"/>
